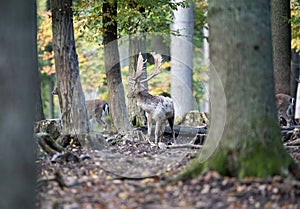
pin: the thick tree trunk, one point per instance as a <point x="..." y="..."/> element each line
<point x="281" y="38"/>
<point x="137" y="44"/>
<point x="71" y="98"/>
<point x="240" y="52"/>
<point x="19" y="81"/>
<point x="182" y="61"/>
<point x="119" y="115"/>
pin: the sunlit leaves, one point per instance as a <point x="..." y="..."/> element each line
<point x="200" y="19"/>
<point x="90" y="58"/>
<point x="44" y="42"/>
<point x="295" y="23"/>
<point x="133" y="16"/>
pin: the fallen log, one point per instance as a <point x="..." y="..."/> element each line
<point x="182" y="130"/>
<point x="175" y="146"/>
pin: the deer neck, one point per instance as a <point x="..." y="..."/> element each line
<point x="146" y="101"/>
<point x="144" y="96"/>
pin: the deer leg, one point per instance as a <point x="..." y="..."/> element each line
<point x="149" y="127"/>
<point x="162" y="129"/>
<point x="171" y="123"/>
<point x="158" y="127"/>
<point x="149" y="124"/>
<point x="104" y="124"/>
<point x="101" y="121"/>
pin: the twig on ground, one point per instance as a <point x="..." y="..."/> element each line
<point x="175" y="146"/>
<point x="57" y="178"/>
<point x="121" y="177"/>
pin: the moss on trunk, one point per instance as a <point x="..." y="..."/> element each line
<point x="260" y="154"/>
<point x="258" y="162"/>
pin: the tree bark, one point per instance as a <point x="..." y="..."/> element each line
<point x="19" y="79"/>
<point x="295" y="74"/>
<point x="182" y="61"/>
<point x="39" y="114"/>
<point x="137" y="44"/>
<point x="119" y="115"/>
<point x="241" y="54"/>
<point x="51" y="99"/>
<point x="281" y="38"/>
<point x="71" y="98"/>
<point x="295" y="65"/>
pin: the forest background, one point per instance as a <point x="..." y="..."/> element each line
<point x="91" y="57"/>
<point x="90" y="53"/>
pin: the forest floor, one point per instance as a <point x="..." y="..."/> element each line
<point x="132" y="174"/>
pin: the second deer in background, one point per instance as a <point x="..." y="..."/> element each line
<point x="158" y="108"/>
<point x="96" y="108"/>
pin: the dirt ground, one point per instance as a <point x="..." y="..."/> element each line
<point x="133" y="174"/>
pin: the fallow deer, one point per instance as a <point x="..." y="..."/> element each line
<point x="285" y="109"/>
<point x="158" y="108"/>
<point x="96" y="108"/>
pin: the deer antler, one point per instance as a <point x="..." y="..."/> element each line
<point x="139" y="69"/>
<point x="158" y="63"/>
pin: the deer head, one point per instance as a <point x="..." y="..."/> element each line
<point x="136" y="81"/>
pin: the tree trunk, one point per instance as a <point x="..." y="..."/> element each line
<point x="295" y="65"/>
<point x="241" y="54"/>
<point x="295" y="74"/>
<point x="119" y="115"/>
<point x="71" y="98"/>
<point x="281" y="38"/>
<point x="39" y="114"/>
<point x="51" y="99"/>
<point x="19" y="81"/>
<point x="137" y="43"/>
<point x="182" y="61"/>
<point x="204" y="104"/>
